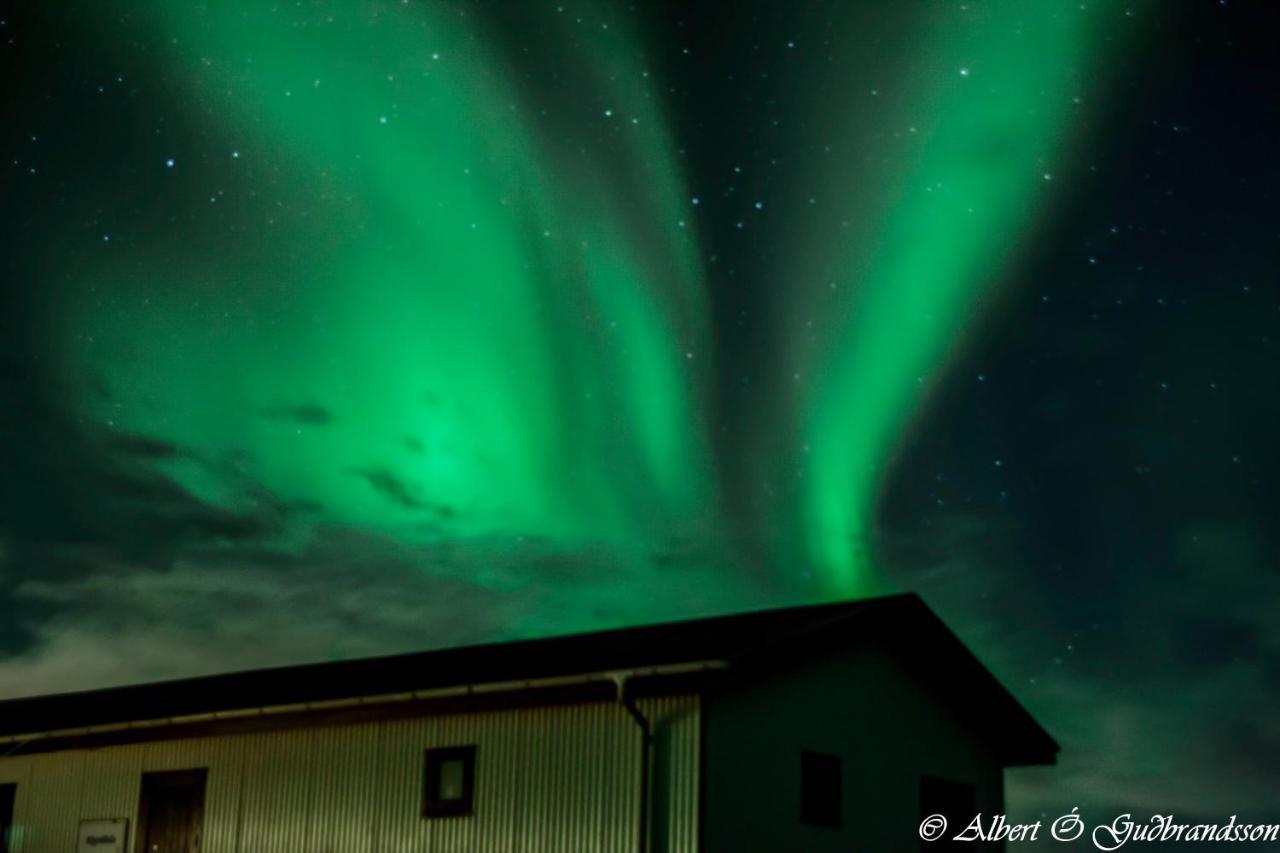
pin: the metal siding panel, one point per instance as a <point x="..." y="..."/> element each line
<point x="397" y="792"/>
<point x="113" y="791"/>
<point x="498" y="781"/>
<point x="276" y="791"/>
<point x="341" y="807"/>
<point x="547" y="780"/>
<point x="55" y="792"/>
<point x="582" y="765"/>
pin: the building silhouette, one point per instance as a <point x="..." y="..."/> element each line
<point x="827" y="727"/>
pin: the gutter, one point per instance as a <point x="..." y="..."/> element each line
<point x="17" y="741"/>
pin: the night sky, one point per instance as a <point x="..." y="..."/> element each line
<point x="338" y="329"/>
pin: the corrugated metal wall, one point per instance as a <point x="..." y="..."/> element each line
<point x="547" y="779"/>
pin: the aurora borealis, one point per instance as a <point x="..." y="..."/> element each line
<point x="991" y="103"/>
<point x="464" y="314"/>
<point x="435" y="342"/>
<point x="348" y="328"/>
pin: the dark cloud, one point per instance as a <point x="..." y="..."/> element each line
<point x="143" y="446"/>
<point x="1156" y="711"/>
<point x="347" y="593"/>
<point x="391" y="487"/>
<point x="128" y="622"/>
<point x="402" y="493"/>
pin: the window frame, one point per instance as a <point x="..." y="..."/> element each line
<point x="821" y="808"/>
<point x="433" y="760"/>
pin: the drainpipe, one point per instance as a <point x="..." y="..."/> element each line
<point x="646" y="741"/>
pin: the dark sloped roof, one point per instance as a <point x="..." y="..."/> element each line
<point x="902" y="624"/>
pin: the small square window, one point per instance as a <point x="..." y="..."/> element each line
<point x="820" y="788"/>
<point x="448" y="785"/>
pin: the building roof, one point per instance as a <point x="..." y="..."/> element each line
<point x="740" y="643"/>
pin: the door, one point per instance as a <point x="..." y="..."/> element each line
<point x="171" y="812"/>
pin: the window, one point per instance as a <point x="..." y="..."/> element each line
<point x="6" y="814"/>
<point x="449" y="782"/>
<point x="820" y="789"/>
<point x="955" y="801"/>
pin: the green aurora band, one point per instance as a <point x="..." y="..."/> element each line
<point x="982" y="111"/>
<point x="466" y="315"/>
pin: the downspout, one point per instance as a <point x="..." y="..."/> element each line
<point x="646" y="741"/>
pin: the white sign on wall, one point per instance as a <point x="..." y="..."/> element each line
<point x="104" y="835"/>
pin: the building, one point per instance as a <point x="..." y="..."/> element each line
<point x="829" y="727"/>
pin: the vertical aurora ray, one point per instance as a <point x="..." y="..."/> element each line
<point x="978" y="115"/>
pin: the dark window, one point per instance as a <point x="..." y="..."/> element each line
<point x="449" y="782"/>
<point x="955" y="801"/>
<point x="7" y="793"/>
<point x="820" y="790"/>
